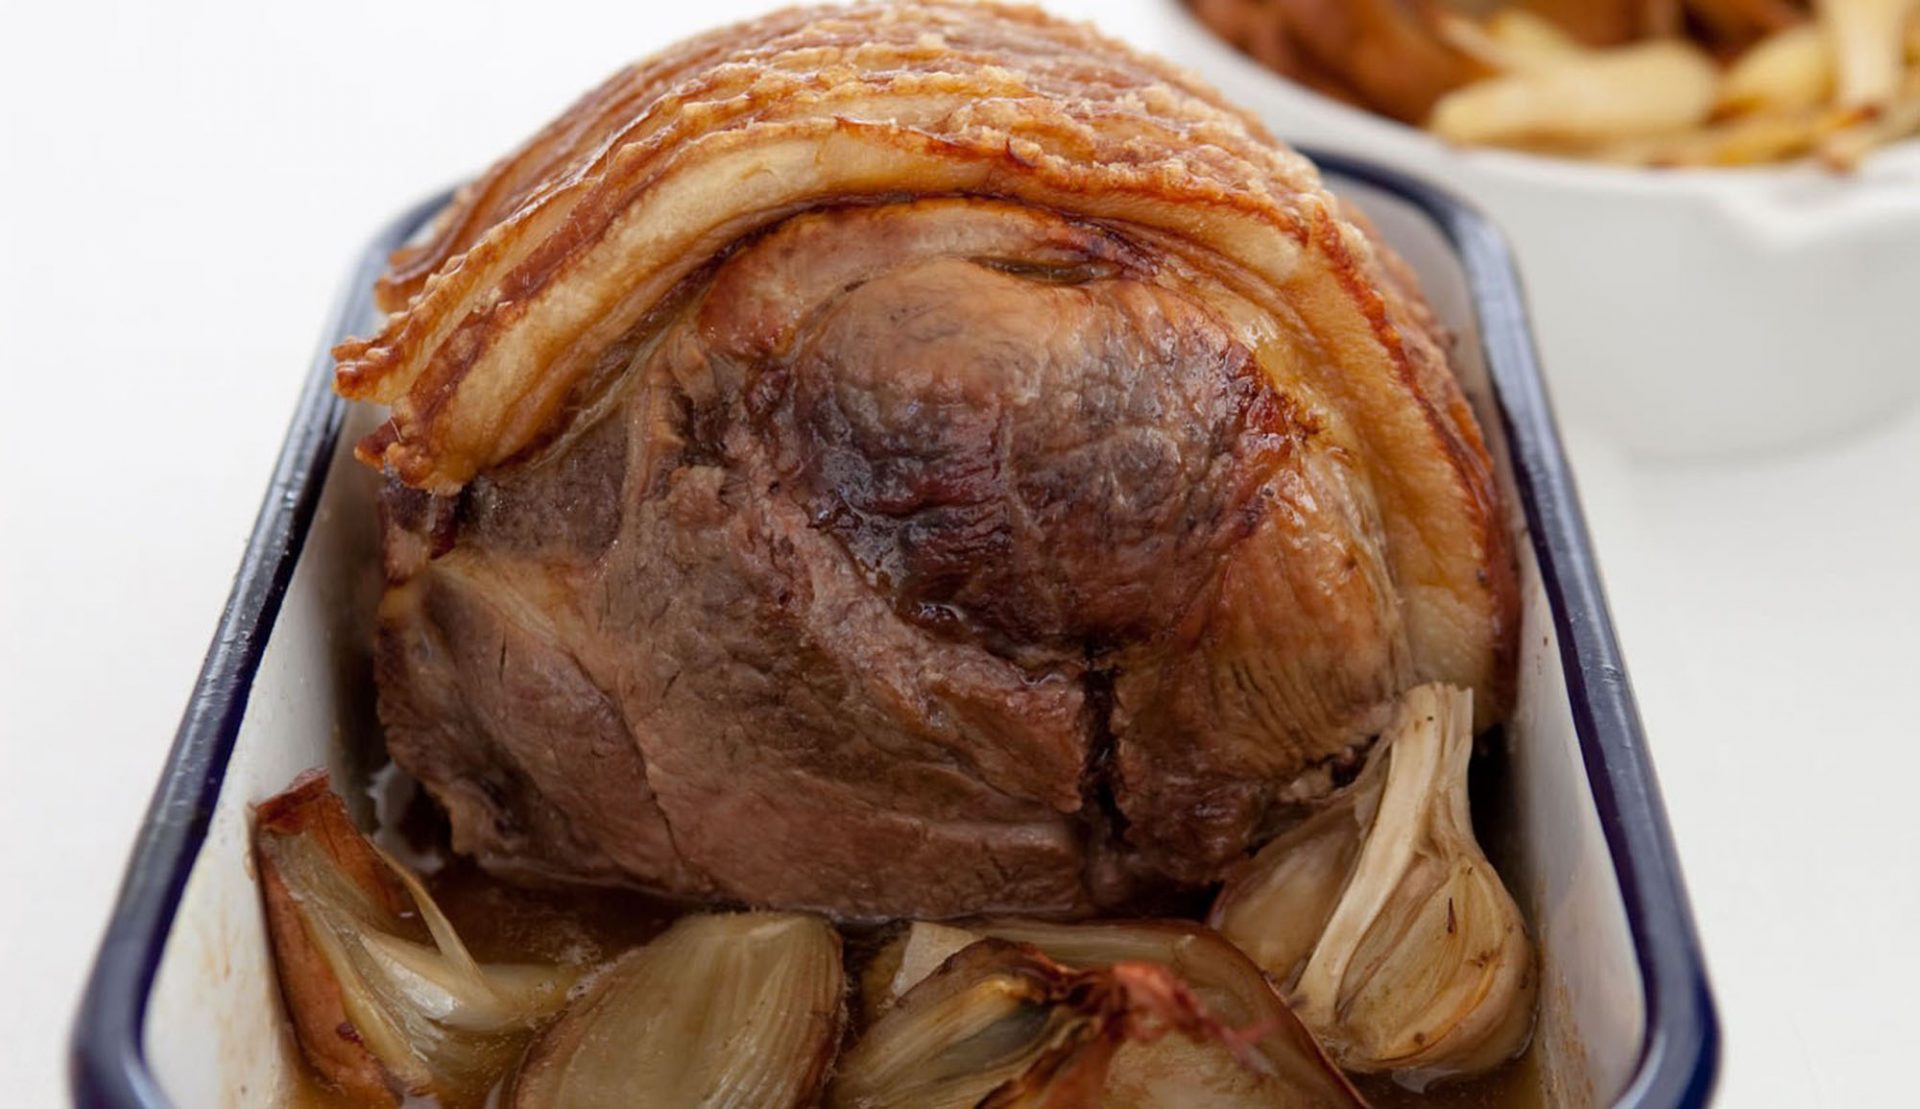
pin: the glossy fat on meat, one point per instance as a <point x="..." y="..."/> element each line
<point x="918" y="460"/>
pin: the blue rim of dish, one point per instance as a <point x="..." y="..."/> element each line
<point x="1680" y="1049"/>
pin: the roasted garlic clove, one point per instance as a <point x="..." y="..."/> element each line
<point x="1398" y="944"/>
<point x="385" y="999"/>
<point x="1277" y="906"/>
<point x="742" y="1009"/>
<point x="1276" y="1064"/>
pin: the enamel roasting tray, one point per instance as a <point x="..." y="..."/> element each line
<point x="182" y="1009"/>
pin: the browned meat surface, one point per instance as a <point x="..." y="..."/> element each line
<point x="896" y="489"/>
<point x="897" y="552"/>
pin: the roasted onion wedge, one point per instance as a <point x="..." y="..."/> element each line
<point x="743" y="1009"/>
<point x="1001" y="1024"/>
<point x="1275" y="1063"/>
<point x="1398" y="944"/>
<point x="910" y="957"/>
<point x="1290" y="1067"/>
<point x="385" y="999"/>
<point x="984" y="1019"/>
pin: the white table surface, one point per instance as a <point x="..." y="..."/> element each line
<point x="179" y="192"/>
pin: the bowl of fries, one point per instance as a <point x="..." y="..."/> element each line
<point x="1715" y="203"/>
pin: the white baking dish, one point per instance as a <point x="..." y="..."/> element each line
<point x="1685" y="313"/>
<point x="182" y="1008"/>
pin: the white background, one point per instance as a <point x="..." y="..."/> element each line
<point x="180" y="189"/>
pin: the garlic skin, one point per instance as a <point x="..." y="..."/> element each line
<point x="385" y="999"/>
<point x="1397" y="942"/>
<point x="739" y="1009"/>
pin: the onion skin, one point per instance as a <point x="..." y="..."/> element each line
<point x="384" y="999"/>
<point x="314" y="1002"/>
<point x="1102" y="1029"/>
<point x="720" y="981"/>
<point x="1295" y="1070"/>
<point x="1049" y="1033"/>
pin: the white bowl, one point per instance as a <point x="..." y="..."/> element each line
<point x="1686" y="313"/>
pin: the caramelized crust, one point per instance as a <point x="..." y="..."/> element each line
<point x="569" y="242"/>
<point x="924" y="425"/>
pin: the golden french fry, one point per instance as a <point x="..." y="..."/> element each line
<point x="1509" y="39"/>
<point x="1602" y="22"/>
<point x="1899" y="119"/>
<point x="1466" y="35"/>
<point x="1530" y="37"/>
<point x="1593" y="97"/>
<point x="1787" y="70"/>
<point x="1866" y="37"/>
<point x="1747" y="140"/>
